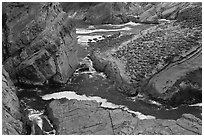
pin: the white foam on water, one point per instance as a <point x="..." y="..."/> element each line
<point x="88" y="31"/>
<point x="164" y="20"/>
<point x="84" y="39"/>
<point x="155" y="103"/>
<point x="34" y="116"/>
<point x="102" y="75"/>
<point x="125" y="24"/>
<point x="104" y="103"/>
<point x="197" y="105"/>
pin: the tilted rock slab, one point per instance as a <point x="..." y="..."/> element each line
<point x="88" y="117"/>
<point x="11" y="116"/>
<point x="41" y="43"/>
<point x="167" y="83"/>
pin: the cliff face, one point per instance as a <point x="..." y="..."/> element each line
<point x="123" y="12"/>
<point x="11" y="116"/>
<point x="39" y="43"/>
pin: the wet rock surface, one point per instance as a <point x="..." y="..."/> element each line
<point x="87" y="117"/>
<point x="40" y="43"/>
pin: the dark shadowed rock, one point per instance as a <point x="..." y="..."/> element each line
<point x="11" y="116"/>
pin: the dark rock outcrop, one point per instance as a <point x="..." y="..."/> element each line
<point x="11" y="116"/>
<point x="87" y="117"/>
<point x="40" y="43"/>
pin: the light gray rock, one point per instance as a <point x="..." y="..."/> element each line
<point x="41" y="43"/>
<point x="87" y="117"/>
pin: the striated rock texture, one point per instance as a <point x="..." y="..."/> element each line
<point x="98" y="12"/>
<point x="87" y="117"/>
<point x="123" y="12"/>
<point x="39" y="43"/>
<point x="180" y="82"/>
<point x="11" y="116"/>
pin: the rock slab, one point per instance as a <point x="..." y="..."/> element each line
<point x="88" y="117"/>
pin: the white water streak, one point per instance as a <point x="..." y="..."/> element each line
<point x="87" y="31"/>
<point x="198" y="104"/>
<point x="84" y="39"/>
<point x="34" y="116"/>
<point x="126" y="24"/>
<point x="104" y="103"/>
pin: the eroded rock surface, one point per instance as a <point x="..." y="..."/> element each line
<point x="11" y="116"/>
<point x="152" y="56"/>
<point x="179" y="82"/>
<point x="87" y="117"/>
<point x="102" y="55"/>
<point x="123" y="12"/>
<point x="39" y="43"/>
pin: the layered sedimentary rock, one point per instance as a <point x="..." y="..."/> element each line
<point x="11" y="116"/>
<point x="39" y="42"/>
<point x="88" y="117"/>
<point x="122" y="12"/>
<point x="99" y="12"/>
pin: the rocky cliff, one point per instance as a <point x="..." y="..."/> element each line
<point x="123" y="12"/>
<point x="11" y="116"/>
<point x="39" y="47"/>
<point x="39" y="43"/>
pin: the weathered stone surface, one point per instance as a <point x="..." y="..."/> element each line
<point x="192" y="15"/>
<point x="41" y="43"/>
<point x="122" y="12"/>
<point x="173" y="82"/>
<point x="11" y="115"/>
<point x="80" y="117"/>
<point x="163" y="10"/>
<point x="98" y="13"/>
<point x="87" y="117"/>
<point x="157" y="59"/>
<point x="104" y="61"/>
